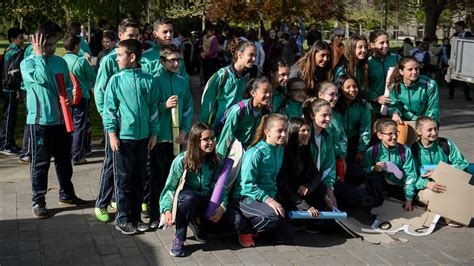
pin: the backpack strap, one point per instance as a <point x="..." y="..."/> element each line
<point x="242" y="110"/>
<point x="401" y="150"/>
<point x="375" y="152"/>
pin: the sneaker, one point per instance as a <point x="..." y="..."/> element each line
<point x="75" y="201"/>
<point x="154" y="225"/>
<point x="113" y="204"/>
<point x="199" y="234"/>
<point x="24" y="159"/>
<point x="312" y="227"/>
<point x="246" y="240"/>
<point x="142" y="227"/>
<point x="177" y="248"/>
<point x="10" y="151"/>
<point x="81" y="161"/>
<point x="126" y="228"/>
<point x="102" y="215"/>
<point x="40" y="211"/>
<point x="87" y="153"/>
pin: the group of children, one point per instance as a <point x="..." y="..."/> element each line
<point x="304" y="130"/>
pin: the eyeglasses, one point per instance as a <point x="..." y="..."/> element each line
<point x="391" y="134"/>
<point x="173" y="60"/>
<point x="333" y="95"/>
<point x="208" y="139"/>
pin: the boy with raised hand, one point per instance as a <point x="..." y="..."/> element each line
<point x="85" y="75"/>
<point x="11" y="95"/>
<point x="127" y="29"/>
<point x="45" y="119"/>
<point x="150" y="62"/>
<point x="131" y="121"/>
<point x="173" y="92"/>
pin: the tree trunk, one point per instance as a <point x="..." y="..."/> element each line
<point x="433" y="9"/>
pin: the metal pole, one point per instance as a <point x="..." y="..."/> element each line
<point x="89" y="26"/>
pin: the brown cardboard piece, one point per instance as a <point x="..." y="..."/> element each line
<point x="354" y="227"/>
<point x="457" y="202"/>
<point x="407" y="135"/>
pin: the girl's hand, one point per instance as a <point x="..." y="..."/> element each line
<point x="428" y="174"/>
<point x="37" y="42"/>
<point x="397" y="118"/>
<point x="217" y="215"/>
<point x="383" y="100"/>
<point x="379" y="166"/>
<point x="407" y="206"/>
<point x="331" y="197"/>
<point x="436" y="187"/>
<point x="151" y="142"/>
<point x="168" y="218"/>
<point x="314" y="212"/>
<point x="276" y="207"/>
<point x="303" y="191"/>
<point x="359" y="157"/>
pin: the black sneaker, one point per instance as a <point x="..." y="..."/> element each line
<point x="40" y="211"/>
<point x="154" y="225"/>
<point x="126" y="228"/>
<point x="10" y="151"/>
<point x="199" y="234"/>
<point x="142" y="227"/>
<point x="75" y="201"/>
<point x="81" y="161"/>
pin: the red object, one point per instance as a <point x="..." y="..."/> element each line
<point x="340" y="169"/>
<point x="62" y="99"/>
<point x="76" y="90"/>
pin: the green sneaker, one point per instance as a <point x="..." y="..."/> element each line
<point x="144" y="207"/>
<point x="113" y="204"/>
<point x="102" y="215"/>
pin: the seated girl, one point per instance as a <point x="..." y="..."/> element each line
<point x="255" y="189"/>
<point x="201" y="165"/>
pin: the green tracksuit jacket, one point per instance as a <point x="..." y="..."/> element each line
<point x="170" y="84"/>
<point x="108" y="67"/>
<point x="42" y="95"/>
<point x="83" y="71"/>
<point x="201" y="183"/>
<point x="336" y="129"/>
<point x="420" y="98"/>
<point x="377" y="75"/>
<point x="292" y="109"/>
<point x="434" y="154"/>
<point x="327" y="160"/>
<point x="131" y="105"/>
<point x="356" y="120"/>
<point x="260" y="167"/>
<point x="224" y="89"/>
<point x="410" y="176"/>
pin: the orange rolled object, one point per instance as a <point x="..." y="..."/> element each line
<point x="62" y="99"/>
<point x="403" y="134"/>
<point x="340" y="169"/>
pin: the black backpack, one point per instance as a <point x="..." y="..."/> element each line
<point x="11" y="74"/>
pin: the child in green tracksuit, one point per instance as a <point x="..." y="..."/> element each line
<point x="174" y="92"/>
<point x="127" y="29"/>
<point x="242" y="126"/>
<point x="390" y="166"/>
<point x="430" y="149"/>
<point x="74" y="28"/>
<point x="317" y="113"/>
<point x="150" y="61"/>
<point x="296" y="95"/>
<point x="226" y="87"/>
<point x="379" y="63"/>
<point x="255" y="191"/>
<point x="202" y="166"/>
<point x="85" y="75"/>
<point x="412" y="95"/>
<point x="131" y="121"/>
<point x="41" y="74"/>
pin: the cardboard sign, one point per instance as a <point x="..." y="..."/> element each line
<point x="407" y="135"/>
<point x="457" y="202"/>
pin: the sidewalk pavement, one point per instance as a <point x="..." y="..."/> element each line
<point x="72" y="235"/>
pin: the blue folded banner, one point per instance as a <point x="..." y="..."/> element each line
<point x="430" y="167"/>
<point x="322" y="215"/>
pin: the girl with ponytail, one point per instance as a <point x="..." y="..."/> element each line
<point x="412" y="95"/>
<point x="318" y="114"/>
<point x="226" y="87"/>
<point x="255" y="190"/>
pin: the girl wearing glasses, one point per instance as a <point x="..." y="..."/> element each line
<point x="202" y="166"/>
<point x="390" y="166"/>
<point x="314" y="67"/>
<point x="412" y="95"/>
<point x="296" y="94"/>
